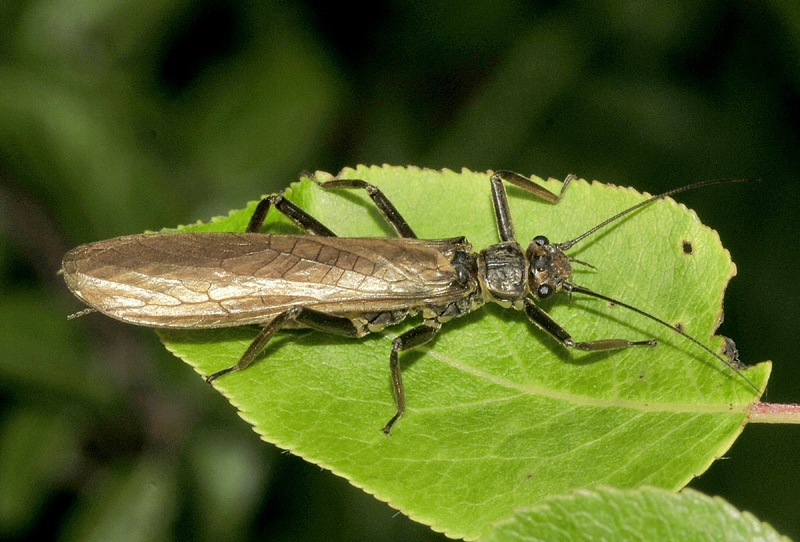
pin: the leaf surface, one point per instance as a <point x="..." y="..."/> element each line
<point x="499" y="414"/>
<point x="632" y="515"/>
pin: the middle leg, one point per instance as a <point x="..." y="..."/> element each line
<point x="412" y="338"/>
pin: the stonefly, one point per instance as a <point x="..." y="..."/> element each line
<point x="344" y="286"/>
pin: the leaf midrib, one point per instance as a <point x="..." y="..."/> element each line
<point x="579" y="399"/>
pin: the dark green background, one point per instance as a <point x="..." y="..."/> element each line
<point x="121" y="116"/>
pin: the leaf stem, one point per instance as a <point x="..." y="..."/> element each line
<point x="775" y="413"/>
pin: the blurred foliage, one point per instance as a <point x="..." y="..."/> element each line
<point x="121" y="116"/>
<point x="645" y="513"/>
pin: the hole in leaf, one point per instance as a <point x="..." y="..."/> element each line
<point x="729" y="351"/>
<point x="687" y="247"/>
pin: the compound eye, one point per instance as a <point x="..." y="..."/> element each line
<point x="544" y="291"/>
<point x="541" y="240"/>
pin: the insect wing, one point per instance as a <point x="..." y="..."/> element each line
<point x="208" y="280"/>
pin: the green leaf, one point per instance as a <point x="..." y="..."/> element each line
<point x="499" y="414"/>
<point x="635" y="515"/>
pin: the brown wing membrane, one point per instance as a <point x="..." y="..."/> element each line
<point x="208" y="280"/>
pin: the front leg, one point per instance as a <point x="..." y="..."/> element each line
<point x="502" y="213"/>
<point x="546" y="322"/>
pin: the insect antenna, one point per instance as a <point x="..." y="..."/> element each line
<point x="571" y="288"/>
<point x="569" y="244"/>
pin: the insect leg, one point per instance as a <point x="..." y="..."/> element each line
<point x="502" y="213"/>
<point x="387" y="209"/>
<point x="308" y="317"/>
<point x="526" y="184"/>
<point x="546" y="322"/>
<point x="255" y="347"/>
<point x="410" y="339"/>
<point x="291" y="211"/>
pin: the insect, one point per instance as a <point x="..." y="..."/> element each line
<point x="345" y="286"/>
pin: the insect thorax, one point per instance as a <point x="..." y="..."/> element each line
<point x="502" y="272"/>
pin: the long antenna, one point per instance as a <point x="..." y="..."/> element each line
<point x="569" y="287"/>
<point x="569" y="244"/>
